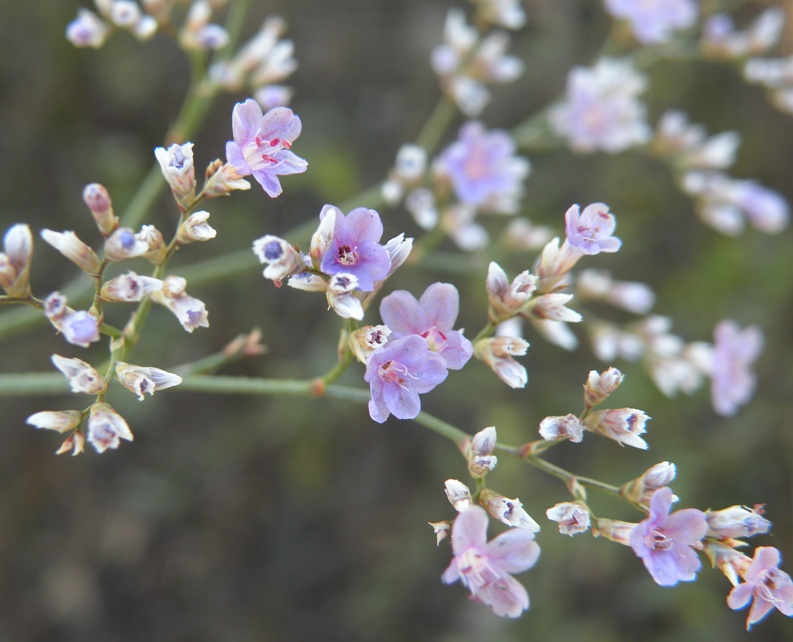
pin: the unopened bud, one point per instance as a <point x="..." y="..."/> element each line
<point x="106" y="428"/>
<point x="598" y="386"/>
<point x="442" y="530"/>
<point x="15" y="260"/>
<point x="74" y="442"/>
<point x="143" y="380"/>
<point x="195" y="229"/>
<point x="641" y="489"/>
<point x="737" y="521"/>
<point x="124" y="244"/>
<point x="57" y="420"/>
<point x="81" y="375"/>
<point x="222" y="179"/>
<point x="567" y="427"/>
<point x="614" y="530"/>
<point x="97" y="198"/>
<point x="129" y="287"/>
<point x="508" y="511"/>
<point x="507" y="299"/>
<point x="73" y="249"/>
<point x="459" y="495"/>
<point x="497" y="353"/>
<point x="623" y="425"/>
<point x="322" y="239"/>
<point x="480" y="452"/>
<point x="572" y="517"/>
<point x="177" y="167"/>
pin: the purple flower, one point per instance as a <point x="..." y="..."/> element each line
<point x="602" y="110"/>
<point x="483" y="168"/>
<point x="766" y="584"/>
<point x="355" y="247"/>
<point x="734" y="351"/>
<point x="261" y="144"/>
<point x="664" y="541"/>
<point x="398" y="373"/>
<point x="485" y="568"/>
<point x="431" y="317"/>
<point x="591" y="230"/>
<point x="653" y="21"/>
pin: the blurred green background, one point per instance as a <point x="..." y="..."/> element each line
<point x="234" y="518"/>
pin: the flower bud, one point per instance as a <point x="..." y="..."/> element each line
<point x="724" y="557"/>
<point x="573" y="517"/>
<point x="341" y="295"/>
<point x="142" y="380"/>
<point x="480" y="452"/>
<point x="190" y="311"/>
<point x="736" y="521"/>
<point x="623" y="425"/>
<point x="129" y="287"/>
<point x="156" y="245"/>
<point x="15" y="261"/>
<point x="177" y="167"/>
<point x="600" y="385"/>
<point x="398" y="249"/>
<point x="222" y="179"/>
<point x="195" y="229"/>
<point x="614" y="530"/>
<point x="87" y="30"/>
<point x="322" y="239"/>
<point x="106" y="428"/>
<point x="553" y="307"/>
<point x="97" y="198"/>
<point x="282" y="259"/>
<point x="567" y="427"/>
<point x="509" y="511"/>
<point x="124" y="244"/>
<point x="497" y="353"/>
<point x="82" y="377"/>
<point x="73" y="249"/>
<point x="79" y="328"/>
<point x="459" y="495"/>
<point x="57" y="420"/>
<point x="74" y="442"/>
<point x="641" y="489"/>
<point x="442" y="530"/>
<point x="507" y="299"/>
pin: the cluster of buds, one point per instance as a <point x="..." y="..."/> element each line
<point x="721" y="40"/>
<point x="623" y="425"/>
<point x="776" y="75"/>
<point x="90" y="29"/>
<point x="260" y="65"/>
<point x="104" y="427"/>
<point x="467" y="63"/>
<point x="198" y="33"/>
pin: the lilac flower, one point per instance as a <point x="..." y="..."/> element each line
<point x="261" y="144"/>
<point x="398" y="373"/>
<point x="766" y="585"/>
<point x="602" y="111"/>
<point x="355" y="247"/>
<point x="664" y="541"/>
<point x="653" y="21"/>
<point x="485" y="568"/>
<point x="591" y="230"/>
<point x="483" y="168"/>
<point x="87" y="30"/>
<point x="734" y="351"/>
<point x="431" y="317"/>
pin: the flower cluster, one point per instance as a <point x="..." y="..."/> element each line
<point x="466" y="63"/>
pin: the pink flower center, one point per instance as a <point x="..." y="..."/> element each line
<point x="657" y="540"/>
<point x="435" y="338"/>
<point x="347" y="255"/>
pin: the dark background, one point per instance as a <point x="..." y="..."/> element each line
<point x="235" y="518"/>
